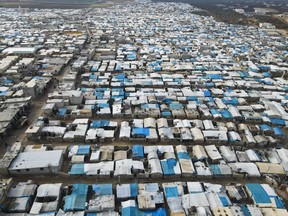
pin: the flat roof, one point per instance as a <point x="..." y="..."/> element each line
<point x="20" y="50"/>
<point x="32" y="160"/>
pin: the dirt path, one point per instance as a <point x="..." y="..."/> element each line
<point x="35" y="112"/>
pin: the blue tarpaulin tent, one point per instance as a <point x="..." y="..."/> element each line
<point x="137" y="151"/>
<point x="215" y="169"/>
<point x="140" y="132"/>
<point x="171" y="192"/>
<point x="77" y="169"/>
<point x="6" y="81"/>
<point x="278" y="131"/>
<point x="62" y="111"/>
<point x="214" y="111"/>
<point x="183" y="155"/>
<point x="226" y="114"/>
<point x="77" y="199"/>
<point x="133" y="190"/>
<point x="224" y="201"/>
<point x="168" y="166"/>
<point x="175" y="106"/>
<point x="207" y="93"/>
<point x="278" y="201"/>
<point x="99" y="123"/>
<point x="265" y="127"/>
<point x="191" y="98"/>
<point x="209" y="84"/>
<point x="102" y="189"/>
<point x="134" y="211"/>
<point x="277" y="121"/>
<point x="230" y="101"/>
<point x="258" y="193"/>
<point x="166" y="114"/>
<point x="215" y="76"/>
<point x="83" y="150"/>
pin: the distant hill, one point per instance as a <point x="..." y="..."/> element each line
<point x="220" y="1"/>
<point x="55" y="1"/>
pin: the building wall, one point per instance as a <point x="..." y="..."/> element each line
<point x="38" y="171"/>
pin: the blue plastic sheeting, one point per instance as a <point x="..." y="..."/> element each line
<point x="140" y="132"/>
<point x="91" y="76"/>
<point x="231" y="101"/>
<point x="93" y="69"/>
<point x="209" y="99"/>
<point x="83" y="150"/>
<point x="226" y="114"/>
<point x="207" y="93"/>
<point x="138" y="151"/>
<point x="209" y="84"/>
<point x="243" y="74"/>
<point x="278" y="131"/>
<point x="146" y="106"/>
<point x="6" y="81"/>
<point x="278" y="201"/>
<point x="3" y="93"/>
<point x="258" y="193"/>
<point x="102" y="189"/>
<point x="202" y="68"/>
<point x="118" y="96"/>
<point x="151" y="187"/>
<point x="215" y="169"/>
<point x="102" y="89"/>
<point x="98" y="94"/>
<point x="267" y="82"/>
<point x="91" y="214"/>
<point x="133" y="190"/>
<point x="127" y="80"/>
<point x="77" y="200"/>
<point x="277" y="121"/>
<point x="191" y="98"/>
<point x="214" y="111"/>
<point x="103" y="105"/>
<point x="224" y="201"/>
<point x="118" y="68"/>
<point x="77" y="169"/>
<point x="166" y="114"/>
<point x="215" y="76"/>
<point x="265" y="127"/>
<point x="99" y="123"/>
<point x="245" y="210"/>
<point x="80" y="189"/>
<point x="134" y="211"/>
<point x="158" y="212"/>
<point x="175" y="106"/>
<point x="171" y="192"/>
<point x="131" y="57"/>
<point x="167" y="100"/>
<point x="62" y="111"/>
<point x="263" y="67"/>
<point x="37" y="78"/>
<point x="157" y="68"/>
<point x="183" y="155"/>
<point x="168" y="166"/>
<point x="130" y="211"/>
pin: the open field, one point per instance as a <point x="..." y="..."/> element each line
<point x="224" y="11"/>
